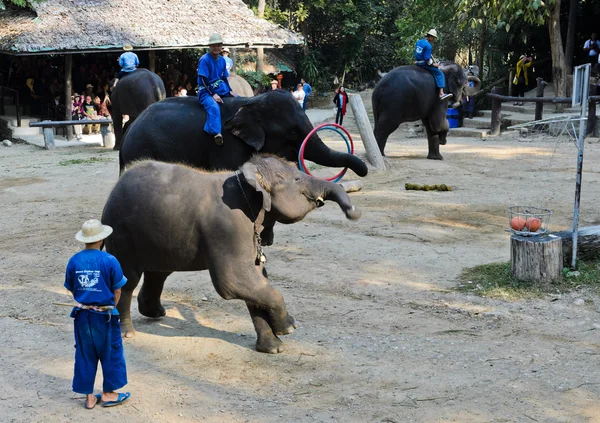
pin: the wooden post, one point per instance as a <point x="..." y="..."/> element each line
<point x="366" y="132"/>
<point x="108" y="138"/>
<point x="511" y="86"/>
<point x="152" y="60"/>
<point x="233" y="59"/>
<point x="591" y="121"/>
<point x="49" y="137"/>
<point x="539" y="92"/>
<point x="68" y="93"/>
<point x="496" y="113"/>
<point x="536" y="259"/>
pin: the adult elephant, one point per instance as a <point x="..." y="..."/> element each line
<point x="240" y="86"/>
<point x="408" y="93"/>
<point x="132" y="95"/>
<point x="273" y="122"/>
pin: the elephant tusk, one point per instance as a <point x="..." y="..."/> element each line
<point x="320" y="202"/>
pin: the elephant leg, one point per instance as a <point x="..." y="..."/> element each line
<point x="117" y="126"/>
<point x="267" y="236"/>
<point x="252" y="286"/>
<point x="149" y="296"/>
<point x="433" y="140"/>
<point x="124" y="304"/>
<point x="266" y="341"/>
<point x="385" y="125"/>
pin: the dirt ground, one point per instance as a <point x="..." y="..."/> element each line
<point x="383" y="336"/>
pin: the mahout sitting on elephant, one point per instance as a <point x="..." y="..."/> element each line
<point x="131" y="96"/>
<point x="409" y="93"/>
<point x="273" y="122"/>
<point x="168" y="218"/>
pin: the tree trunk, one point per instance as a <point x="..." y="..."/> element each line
<point x="571" y="35"/>
<point x="481" y="50"/>
<point x="536" y="259"/>
<point x="152" y="61"/>
<point x="260" y="53"/>
<point x="559" y="67"/>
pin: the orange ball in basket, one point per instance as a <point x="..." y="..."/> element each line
<point x="517" y="223"/>
<point x="533" y="224"/>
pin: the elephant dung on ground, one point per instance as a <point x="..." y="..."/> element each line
<point x="408" y="93"/>
<point x="133" y="94"/>
<point x="168" y="218"/>
<point x="240" y="86"/>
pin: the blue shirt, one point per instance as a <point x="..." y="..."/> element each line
<point x="307" y="90"/>
<point x="93" y="276"/>
<point x="214" y="70"/>
<point x="228" y="64"/>
<point x="129" y="61"/>
<point x="422" y="50"/>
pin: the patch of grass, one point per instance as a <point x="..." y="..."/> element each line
<point x="84" y="161"/>
<point x="496" y="281"/>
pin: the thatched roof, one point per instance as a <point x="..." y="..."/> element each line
<point x="62" y="26"/>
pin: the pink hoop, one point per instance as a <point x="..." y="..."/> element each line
<point x="303" y="146"/>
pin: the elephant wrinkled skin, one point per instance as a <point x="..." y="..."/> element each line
<point x="169" y="218"/>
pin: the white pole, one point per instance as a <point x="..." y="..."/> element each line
<point x="366" y="132"/>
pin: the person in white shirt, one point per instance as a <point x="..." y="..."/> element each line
<point x="299" y="94"/>
<point x="591" y="49"/>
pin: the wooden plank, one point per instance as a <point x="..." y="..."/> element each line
<point x="588" y="244"/>
<point x="536" y="259"/>
<point x="56" y="124"/>
<point x="366" y="132"/>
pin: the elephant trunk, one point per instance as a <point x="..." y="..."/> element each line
<point x="472" y="91"/>
<point x="336" y="192"/>
<point x="319" y="153"/>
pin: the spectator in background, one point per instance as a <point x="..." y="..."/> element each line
<point x="340" y="100"/>
<point x="91" y="112"/>
<point x="77" y="114"/>
<point x="228" y="61"/>
<point x="89" y="91"/>
<point x="307" y="92"/>
<point x="274" y="85"/>
<point x="469" y="102"/>
<point x="299" y="94"/>
<point x="591" y="49"/>
<point x="521" y="79"/>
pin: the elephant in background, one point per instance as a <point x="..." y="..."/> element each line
<point x="171" y="218"/>
<point x="408" y="93"/>
<point x="132" y="95"/>
<point x="240" y="86"/>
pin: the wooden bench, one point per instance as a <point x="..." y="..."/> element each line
<point x="49" y="125"/>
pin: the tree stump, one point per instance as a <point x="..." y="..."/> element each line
<point x="588" y="244"/>
<point x="536" y="259"/>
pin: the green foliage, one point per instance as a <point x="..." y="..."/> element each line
<point x="20" y="3"/>
<point x="254" y="78"/>
<point x="496" y="281"/>
<point x="310" y="66"/>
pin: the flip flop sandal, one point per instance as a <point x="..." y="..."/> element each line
<point x="98" y="401"/>
<point x="120" y="400"/>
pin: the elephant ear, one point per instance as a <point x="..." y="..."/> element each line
<point x="253" y="177"/>
<point x="245" y="125"/>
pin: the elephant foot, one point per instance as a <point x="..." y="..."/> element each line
<point x="153" y="312"/>
<point x="438" y="156"/>
<point x="442" y="142"/>
<point x="127" y="330"/>
<point x="270" y="345"/>
<point x="283" y="326"/>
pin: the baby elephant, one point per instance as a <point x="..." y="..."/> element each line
<point x="168" y="218"/>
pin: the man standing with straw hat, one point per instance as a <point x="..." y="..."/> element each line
<point x="128" y="62"/>
<point x="212" y="85"/>
<point x="95" y="278"/>
<point x="424" y="59"/>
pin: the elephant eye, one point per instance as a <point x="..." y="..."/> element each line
<point x="297" y="178"/>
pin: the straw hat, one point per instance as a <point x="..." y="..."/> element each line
<point x="215" y="39"/>
<point x="89" y="86"/>
<point x="93" y="231"/>
<point x="432" y="32"/>
<point x="127" y="47"/>
<point x="226" y="50"/>
<point x="274" y="82"/>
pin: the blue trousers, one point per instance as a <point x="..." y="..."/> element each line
<point x="304" y="102"/>
<point x="98" y="339"/>
<point x="213" y="112"/>
<point x="440" y="79"/>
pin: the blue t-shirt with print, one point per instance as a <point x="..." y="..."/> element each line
<point x="214" y="70"/>
<point x="93" y="276"/>
<point x="422" y="50"/>
<point x="129" y="61"/>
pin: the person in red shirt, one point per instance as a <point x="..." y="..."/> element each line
<point x="340" y="100"/>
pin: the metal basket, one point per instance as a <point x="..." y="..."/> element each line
<point x="525" y="219"/>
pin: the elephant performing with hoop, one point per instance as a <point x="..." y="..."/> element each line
<point x="408" y="93"/>
<point x="170" y="218"/>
